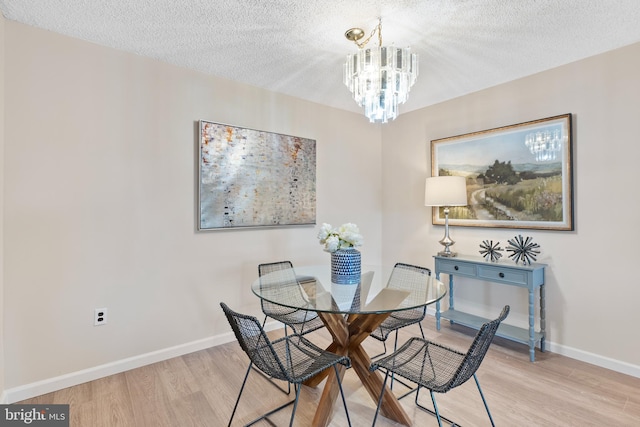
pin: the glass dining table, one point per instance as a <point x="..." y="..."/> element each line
<point x="350" y="313"/>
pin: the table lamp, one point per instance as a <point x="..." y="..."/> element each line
<point x="446" y="191"/>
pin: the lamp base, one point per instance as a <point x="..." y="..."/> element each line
<point x="447" y="254"/>
<point x="446" y="241"/>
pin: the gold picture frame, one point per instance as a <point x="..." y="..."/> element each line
<point x="518" y="176"/>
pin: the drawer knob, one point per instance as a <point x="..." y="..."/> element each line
<point x="456" y="268"/>
<point x="501" y="275"/>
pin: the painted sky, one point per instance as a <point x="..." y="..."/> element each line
<point x="485" y="150"/>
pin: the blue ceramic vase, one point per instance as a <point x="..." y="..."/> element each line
<point x="345" y="266"/>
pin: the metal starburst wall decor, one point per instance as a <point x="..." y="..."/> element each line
<point x="490" y="251"/>
<point x="523" y="250"/>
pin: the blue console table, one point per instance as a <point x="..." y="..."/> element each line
<point x="530" y="277"/>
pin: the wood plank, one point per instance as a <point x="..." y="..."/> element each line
<point x="554" y="391"/>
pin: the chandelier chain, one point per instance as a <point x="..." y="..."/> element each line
<point x="377" y="29"/>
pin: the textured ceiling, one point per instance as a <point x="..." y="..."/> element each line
<point x="297" y="47"/>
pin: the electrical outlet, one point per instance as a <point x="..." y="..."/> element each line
<point x="100" y="316"/>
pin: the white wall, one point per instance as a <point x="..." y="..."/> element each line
<point x="592" y="292"/>
<point x="100" y="201"/>
<point x="100" y="170"/>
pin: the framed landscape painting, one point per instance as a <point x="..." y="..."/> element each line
<point x="252" y="178"/>
<point x="518" y="176"/>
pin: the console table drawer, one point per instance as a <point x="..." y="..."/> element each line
<point x="459" y="268"/>
<point x="498" y="274"/>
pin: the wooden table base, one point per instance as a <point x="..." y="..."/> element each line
<point x="348" y="336"/>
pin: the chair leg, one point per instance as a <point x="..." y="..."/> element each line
<point x="435" y="406"/>
<point x="424" y="408"/>
<point x="384" y="346"/>
<point x="395" y="347"/>
<point x="298" y="388"/>
<point x="437" y="413"/>
<point x="271" y="412"/>
<point x="240" y="394"/>
<point x="483" y="400"/>
<point x="295" y="404"/>
<point x="421" y="330"/>
<point x="384" y="385"/>
<point x="344" y="400"/>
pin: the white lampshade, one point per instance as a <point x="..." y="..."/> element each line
<point x="445" y="191"/>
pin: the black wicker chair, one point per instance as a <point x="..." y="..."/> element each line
<point x="280" y="278"/>
<point x="289" y="359"/>
<point x="402" y="277"/>
<point x="439" y="368"/>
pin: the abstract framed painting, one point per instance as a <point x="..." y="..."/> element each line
<point x="252" y="178"/>
<point x="517" y="176"/>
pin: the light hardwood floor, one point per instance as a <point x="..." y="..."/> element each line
<point x="199" y="389"/>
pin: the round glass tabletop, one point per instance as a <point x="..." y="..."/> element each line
<point x="379" y="291"/>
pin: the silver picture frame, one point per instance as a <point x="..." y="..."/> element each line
<point x="251" y="178"/>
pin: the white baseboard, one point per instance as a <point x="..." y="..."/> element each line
<point x="39" y="388"/>
<point x="595" y="359"/>
<point x="585" y="356"/>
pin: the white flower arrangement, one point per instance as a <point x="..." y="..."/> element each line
<point x="344" y="237"/>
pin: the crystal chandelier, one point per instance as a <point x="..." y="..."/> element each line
<point x="544" y="144"/>
<point x="379" y="77"/>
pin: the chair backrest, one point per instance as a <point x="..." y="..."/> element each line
<point x="411" y="278"/>
<point x="477" y="350"/>
<point x="278" y="280"/>
<point x="407" y="276"/>
<point x="283" y="267"/>
<point x="255" y="343"/>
